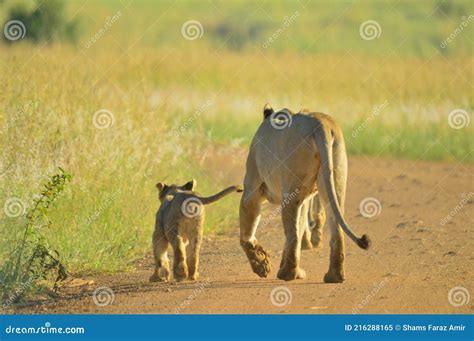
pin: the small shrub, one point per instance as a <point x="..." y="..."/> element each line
<point x="32" y="260"/>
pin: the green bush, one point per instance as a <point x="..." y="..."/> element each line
<point x="235" y="35"/>
<point x="46" y="22"/>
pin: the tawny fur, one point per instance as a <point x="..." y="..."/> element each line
<point x="288" y="166"/>
<point x="179" y="222"/>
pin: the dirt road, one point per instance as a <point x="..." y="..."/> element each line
<point x="419" y="263"/>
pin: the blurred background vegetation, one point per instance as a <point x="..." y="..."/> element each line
<point x="322" y="26"/>
<point x="183" y="109"/>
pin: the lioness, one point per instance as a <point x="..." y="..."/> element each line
<point x="287" y="155"/>
<point x="179" y="222"/>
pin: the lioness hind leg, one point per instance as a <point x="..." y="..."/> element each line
<point x="319" y="219"/>
<point x="193" y="257"/>
<point x="250" y="204"/>
<point x="289" y="266"/>
<point x="335" y="273"/>
<point x="306" y="243"/>
<point x="160" y="252"/>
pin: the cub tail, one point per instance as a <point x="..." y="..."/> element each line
<point x="220" y="195"/>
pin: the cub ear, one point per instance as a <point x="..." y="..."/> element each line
<point x="189" y="186"/>
<point x="161" y="186"/>
<point x="267" y="111"/>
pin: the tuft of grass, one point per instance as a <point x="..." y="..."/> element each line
<point x="32" y="260"/>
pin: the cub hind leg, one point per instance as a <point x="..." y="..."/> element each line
<point x="160" y="252"/>
<point x="180" y="268"/>
<point x="192" y="251"/>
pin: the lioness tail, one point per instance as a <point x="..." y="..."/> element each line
<point x="221" y="194"/>
<point x="324" y="143"/>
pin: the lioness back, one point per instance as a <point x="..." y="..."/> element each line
<point x="273" y="152"/>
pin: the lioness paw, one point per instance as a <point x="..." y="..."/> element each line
<point x="332" y="277"/>
<point x="291" y="274"/>
<point x="258" y="258"/>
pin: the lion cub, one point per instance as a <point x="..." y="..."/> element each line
<point x="179" y="222"/>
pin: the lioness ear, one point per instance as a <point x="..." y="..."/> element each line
<point x="161" y="186"/>
<point x="267" y="111"/>
<point x="189" y="186"/>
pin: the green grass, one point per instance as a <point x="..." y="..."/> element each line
<point x="322" y="26"/>
<point x="429" y="141"/>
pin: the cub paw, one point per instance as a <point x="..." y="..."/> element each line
<point x="180" y="272"/>
<point x="158" y="276"/>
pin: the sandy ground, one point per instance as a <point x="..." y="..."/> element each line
<point x="413" y="265"/>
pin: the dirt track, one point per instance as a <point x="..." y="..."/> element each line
<point x="414" y="262"/>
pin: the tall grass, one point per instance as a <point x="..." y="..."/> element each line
<point x="50" y="109"/>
